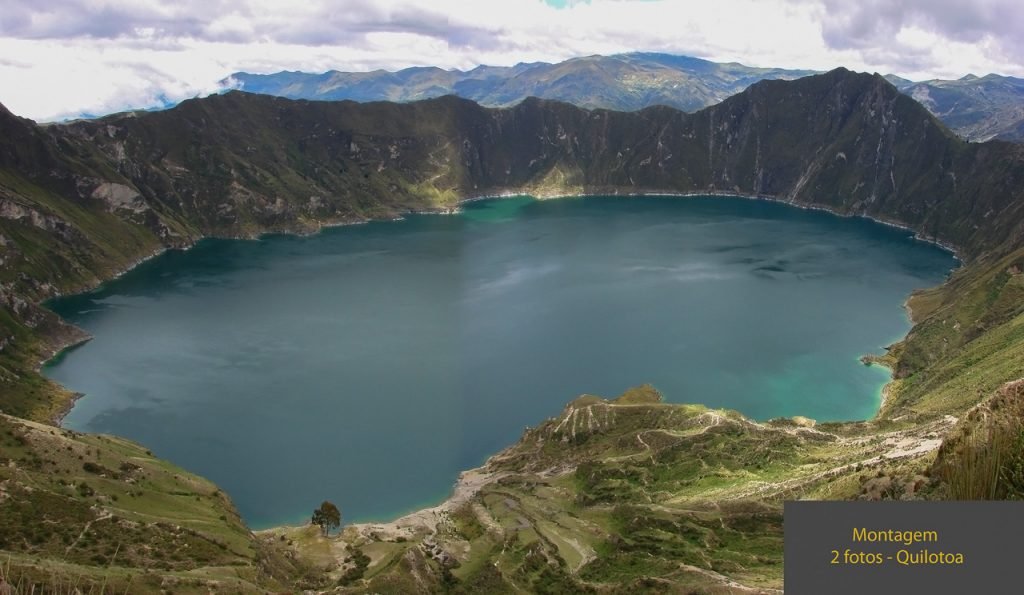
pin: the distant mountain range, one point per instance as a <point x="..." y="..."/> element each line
<point x="976" y="108"/>
<point x="625" y="82"/>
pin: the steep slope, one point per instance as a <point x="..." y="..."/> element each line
<point x="621" y="82"/>
<point x="842" y="140"/>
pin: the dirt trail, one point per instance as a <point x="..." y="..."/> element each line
<point x="726" y="581"/>
<point x="901" y="444"/>
<point x="102" y="517"/>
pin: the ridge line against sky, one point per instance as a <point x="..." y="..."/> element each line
<point x="66" y="58"/>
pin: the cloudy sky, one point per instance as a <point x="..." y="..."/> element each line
<point x="62" y="58"/>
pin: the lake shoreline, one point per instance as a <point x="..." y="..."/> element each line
<point x="715" y="193"/>
<point x="425" y="519"/>
<point x="459" y="487"/>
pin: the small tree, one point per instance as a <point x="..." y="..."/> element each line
<point x="327" y="517"/>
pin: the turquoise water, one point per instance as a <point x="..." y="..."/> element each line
<point x="369" y="364"/>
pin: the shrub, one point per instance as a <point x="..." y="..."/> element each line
<point x="989" y="466"/>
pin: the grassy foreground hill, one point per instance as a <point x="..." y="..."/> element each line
<point x="623" y="495"/>
<point x="102" y="514"/>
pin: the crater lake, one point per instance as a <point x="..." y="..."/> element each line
<point x="370" y="364"/>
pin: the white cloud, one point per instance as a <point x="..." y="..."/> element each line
<point x="97" y="56"/>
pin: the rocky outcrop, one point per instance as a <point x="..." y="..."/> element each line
<point x="19" y="213"/>
<point x="118" y="196"/>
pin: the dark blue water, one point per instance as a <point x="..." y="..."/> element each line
<point x="368" y="365"/>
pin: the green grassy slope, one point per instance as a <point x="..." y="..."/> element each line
<point x="91" y="510"/>
<point x="968" y="340"/>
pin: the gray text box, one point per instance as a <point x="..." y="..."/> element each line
<point x="844" y="548"/>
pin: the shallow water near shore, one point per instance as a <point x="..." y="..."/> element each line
<point x="370" y="364"/>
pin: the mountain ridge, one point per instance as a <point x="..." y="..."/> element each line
<point x="977" y="108"/>
<point x="625" y="82"/>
